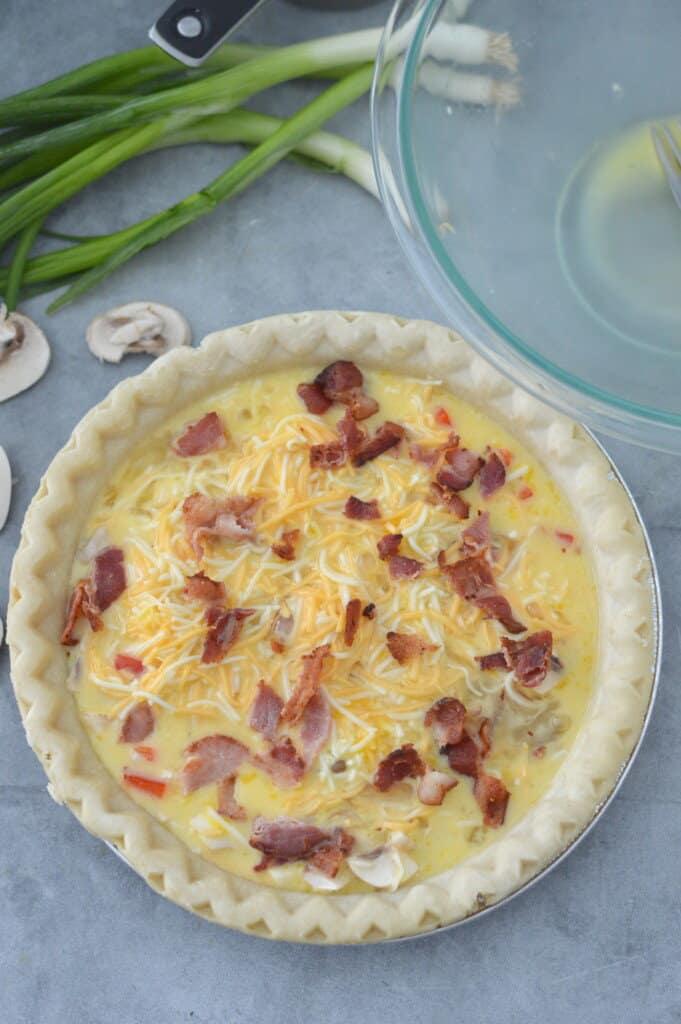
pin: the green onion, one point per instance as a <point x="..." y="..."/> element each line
<point x="234" y="180"/>
<point x="219" y="92"/>
<point x="55" y="108"/>
<point x="16" y="272"/>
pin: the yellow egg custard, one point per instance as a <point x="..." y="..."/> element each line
<point x="336" y="631"/>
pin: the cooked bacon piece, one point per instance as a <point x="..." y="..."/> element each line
<point x="228" y="805"/>
<point x="205" y="435"/>
<point x="212" y="759"/>
<point x="351" y="436"/>
<point x="484" y="737"/>
<point x="434" y="786"/>
<point x="314" y="398"/>
<point x="316" y="727"/>
<point x="450" y="500"/>
<point x="200" y="587"/>
<point x="282" y="628"/>
<point x="307" y="685"/>
<point x="402" y="568"/>
<point x="464" y="757"/>
<point x="530" y="658"/>
<point x="80" y="604"/>
<point x="403" y="763"/>
<point x="475" y="539"/>
<point x="224" y="627"/>
<point x="460" y="469"/>
<point x="389" y="545"/>
<point x="327" y="456"/>
<point x="445" y="719"/>
<point x="355" y="508"/>
<point x="370" y="611"/>
<point x="491" y="662"/>
<point x="129" y="663"/>
<point x="231" y="518"/>
<point x="387" y="436"/>
<point x="353" y="611"/>
<point x="427" y="456"/>
<point x="492" y="476"/>
<point x="285" y="839"/>
<point x="327" y="860"/>
<point x="108" y="578"/>
<point x="492" y="797"/>
<point x="343" y="382"/>
<point x="283" y="763"/>
<point x="473" y="580"/>
<point x="286" y="547"/>
<point x="405" y="646"/>
<point x="138" y="723"/>
<point x="266" y="711"/>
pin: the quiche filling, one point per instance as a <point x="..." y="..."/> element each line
<point x="332" y="628"/>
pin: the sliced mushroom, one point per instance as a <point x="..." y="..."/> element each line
<point x="386" y="867"/>
<point x="146" y="327"/>
<point x="24" y="353"/>
<point x="320" y="882"/>
<point x="5" y="486"/>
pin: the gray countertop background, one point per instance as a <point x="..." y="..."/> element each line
<point x="82" y="938"/>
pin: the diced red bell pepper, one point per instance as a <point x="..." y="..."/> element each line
<point x="525" y="492"/>
<point x="128" y="663"/>
<point x="148" y="753"/>
<point x="155" y="787"/>
<point x="442" y="417"/>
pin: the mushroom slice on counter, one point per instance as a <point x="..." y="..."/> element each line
<point x="146" y="327"/>
<point x="5" y="486"/>
<point x="24" y="353"/>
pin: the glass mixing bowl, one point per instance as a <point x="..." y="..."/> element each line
<point x="530" y="200"/>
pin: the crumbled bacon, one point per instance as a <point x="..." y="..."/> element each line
<point x="460" y="469"/>
<point x="492" y="476"/>
<point x="80" y="603"/>
<point x="445" y="719"/>
<point x="530" y="658"/>
<point x="475" y="539"/>
<point x="266" y="711"/>
<point x="231" y="518"/>
<point x="492" y="797"/>
<point x="389" y="545"/>
<point x="355" y="508"/>
<point x="433" y="786"/>
<point x="403" y="763"/>
<point x="327" y="860"/>
<point x="427" y="456"/>
<point x="228" y="805"/>
<point x="315" y="726"/>
<point x="285" y="839"/>
<point x="484" y="737"/>
<point x="205" y="435"/>
<point x="405" y="646"/>
<point x="314" y="398"/>
<point x="491" y="662"/>
<point x="211" y="759"/>
<point x="402" y="568"/>
<point x="474" y="581"/>
<point x="370" y="611"/>
<point x="283" y="763"/>
<point x="224" y="628"/>
<point x="129" y="663"/>
<point x="343" y="382"/>
<point x="464" y="757"/>
<point x="200" y="587"/>
<point x="351" y="436"/>
<point x="387" y="436"/>
<point x="286" y="547"/>
<point x="450" y="500"/>
<point x="353" y="611"/>
<point x="307" y="685"/>
<point x="138" y="723"/>
<point x="327" y="456"/>
<point x="108" y="578"/>
<point x="282" y="628"/>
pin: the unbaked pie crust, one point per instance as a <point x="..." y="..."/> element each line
<point x="629" y="636"/>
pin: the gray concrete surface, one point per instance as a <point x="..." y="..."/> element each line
<point x="82" y="939"/>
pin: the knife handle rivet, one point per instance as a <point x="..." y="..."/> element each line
<point x="189" y="26"/>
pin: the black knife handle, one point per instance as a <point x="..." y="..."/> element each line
<point x="191" y="31"/>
